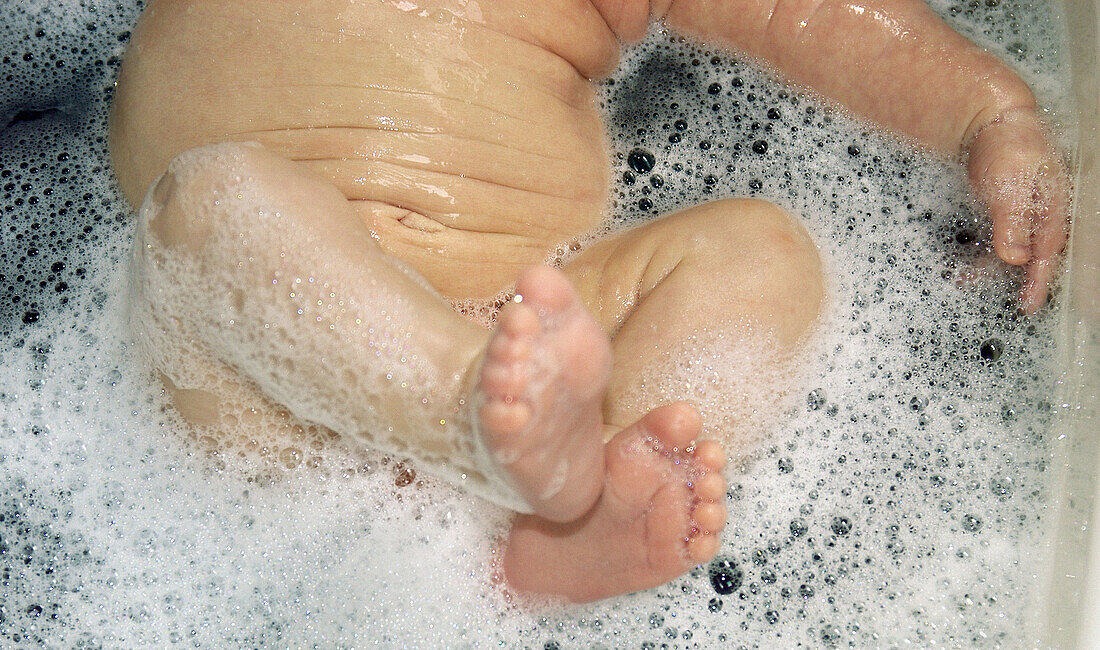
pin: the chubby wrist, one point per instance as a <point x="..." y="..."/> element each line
<point x="1004" y="100"/>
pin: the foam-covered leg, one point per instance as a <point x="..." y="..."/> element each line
<point x="245" y="258"/>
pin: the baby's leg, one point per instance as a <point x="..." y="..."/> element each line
<point x="659" y="499"/>
<point x="723" y="293"/>
<point x="254" y="282"/>
<point x="247" y="264"/>
<point x="742" y="269"/>
<point x="244" y="259"/>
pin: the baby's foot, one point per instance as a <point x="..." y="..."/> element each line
<point x="541" y="390"/>
<point x="659" y="514"/>
<point x="1024" y="184"/>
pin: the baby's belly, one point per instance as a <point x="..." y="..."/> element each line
<point x="468" y="153"/>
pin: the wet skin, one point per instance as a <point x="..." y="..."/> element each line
<point x="462" y="138"/>
<point x="433" y="120"/>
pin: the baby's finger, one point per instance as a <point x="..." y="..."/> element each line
<point x="1037" y="278"/>
<point x="1051" y="232"/>
<point x="1052" y="228"/>
<point x="1004" y="158"/>
<point x="1011" y="222"/>
<point x="1015" y="170"/>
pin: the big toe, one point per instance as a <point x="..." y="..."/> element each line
<point x="675" y="426"/>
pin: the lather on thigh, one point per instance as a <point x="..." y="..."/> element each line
<point x="742" y="269"/>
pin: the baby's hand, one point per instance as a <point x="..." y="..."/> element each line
<point x="1021" y="179"/>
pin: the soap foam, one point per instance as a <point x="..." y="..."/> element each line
<point x="741" y="384"/>
<point x="897" y="502"/>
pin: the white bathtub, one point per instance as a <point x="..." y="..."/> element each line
<point x="1068" y="603"/>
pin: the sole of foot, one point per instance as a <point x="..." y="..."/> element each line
<point x="541" y="391"/>
<point x="660" y="513"/>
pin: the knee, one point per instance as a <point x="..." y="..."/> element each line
<point x="169" y="215"/>
<point x="178" y="209"/>
<point x="761" y="256"/>
<point x="205" y="187"/>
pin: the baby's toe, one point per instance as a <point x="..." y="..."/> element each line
<point x="502" y="418"/>
<point x="703" y="548"/>
<point x="506" y="348"/>
<point x="709" y="518"/>
<point x="519" y="320"/>
<point x="710" y="455"/>
<point x="675" y="425"/>
<point x="546" y="289"/>
<point x="503" y="381"/>
<point x="711" y="487"/>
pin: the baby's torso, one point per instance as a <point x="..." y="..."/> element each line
<point x="463" y="130"/>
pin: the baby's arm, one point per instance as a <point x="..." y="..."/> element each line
<point x="895" y="62"/>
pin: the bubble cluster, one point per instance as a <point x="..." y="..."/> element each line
<point x="740" y="382"/>
<point x="890" y="472"/>
<point x="894" y="502"/>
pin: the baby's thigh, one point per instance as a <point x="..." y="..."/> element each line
<point x="720" y="295"/>
<point x="232" y="418"/>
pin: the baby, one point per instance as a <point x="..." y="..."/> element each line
<point x="338" y="171"/>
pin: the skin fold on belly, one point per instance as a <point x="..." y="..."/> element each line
<point x="468" y="147"/>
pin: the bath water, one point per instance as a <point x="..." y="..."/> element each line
<point x="899" y="500"/>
